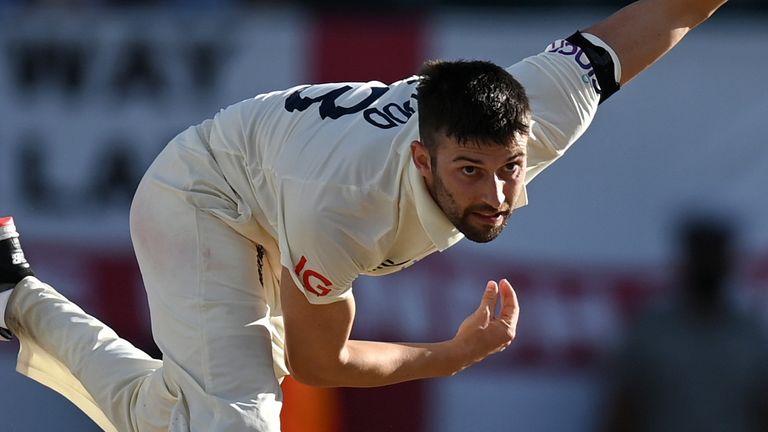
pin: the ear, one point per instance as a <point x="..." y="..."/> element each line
<point x="422" y="159"/>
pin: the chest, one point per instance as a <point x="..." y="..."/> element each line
<point x="410" y="243"/>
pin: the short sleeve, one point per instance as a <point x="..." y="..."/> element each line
<point x="326" y="237"/>
<point x="564" y="94"/>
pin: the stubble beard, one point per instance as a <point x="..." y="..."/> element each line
<point x="462" y="220"/>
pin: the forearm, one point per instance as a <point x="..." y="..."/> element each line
<point x="644" y="31"/>
<point x="319" y="352"/>
<point x="380" y="363"/>
<point x="373" y="364"/>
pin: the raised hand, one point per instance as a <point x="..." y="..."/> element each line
<point x="485" y="332"/>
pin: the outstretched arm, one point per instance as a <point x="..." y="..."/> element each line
<point x="564" y="100"/>
<point x="644" y="31"/>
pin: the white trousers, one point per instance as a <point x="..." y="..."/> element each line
<point x="211" y="282"/>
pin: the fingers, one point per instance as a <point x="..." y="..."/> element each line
<point x="490" y="297"/>
<point x="509" y="306"/>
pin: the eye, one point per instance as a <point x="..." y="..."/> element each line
<point x="512" y="168"/>
<point x="469" y="170"/>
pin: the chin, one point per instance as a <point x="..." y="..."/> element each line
<point x="481" y="239"/>
<point x="478" y="236"/>
<point x="482" y="235"/>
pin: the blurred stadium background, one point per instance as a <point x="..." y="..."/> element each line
<point x="91" y="90"/>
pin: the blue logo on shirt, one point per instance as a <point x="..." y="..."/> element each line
<point x="566" y="48"/>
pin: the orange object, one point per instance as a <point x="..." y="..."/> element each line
<point x="308" y="408"/>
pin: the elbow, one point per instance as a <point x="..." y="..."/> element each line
<point x="313" y="371"/>
<point x="306" y="375"/>
<point x="310" y="379"/>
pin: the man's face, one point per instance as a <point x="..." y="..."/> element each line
<point x="476" y="186"/>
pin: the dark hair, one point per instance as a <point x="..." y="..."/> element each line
<point x="471" y="101"/>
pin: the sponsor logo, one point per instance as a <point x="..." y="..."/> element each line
<point x="390" y="263"/>
<point x="18" y="258"/>
<point x="313" y="281"/>
<point x="568" y="49"/>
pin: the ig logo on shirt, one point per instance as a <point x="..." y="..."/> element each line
<point x="308" y="277"/>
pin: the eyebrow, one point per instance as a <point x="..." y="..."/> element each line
<point x="512" y="157"/>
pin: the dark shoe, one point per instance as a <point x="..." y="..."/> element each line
<point x="13" y="265"/>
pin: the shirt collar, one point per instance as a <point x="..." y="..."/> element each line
<point x="439" y="229"/>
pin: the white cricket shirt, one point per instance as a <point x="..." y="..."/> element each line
<point x="326" y="169"/>
<point x="325" y="173"/>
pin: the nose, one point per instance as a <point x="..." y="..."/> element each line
<point x="493" y="192"/>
